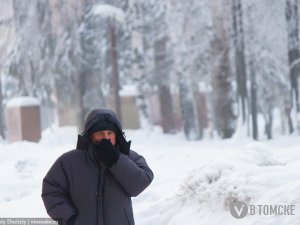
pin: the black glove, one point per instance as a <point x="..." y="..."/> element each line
<point x="124" y="145"/>
<point x="106" y="152"/>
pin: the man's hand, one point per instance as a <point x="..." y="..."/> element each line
<point x="106" y="152"/>
<point x="124" y="145"/>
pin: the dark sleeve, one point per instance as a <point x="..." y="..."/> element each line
<point x="55" y="194"/>
<point x="133" y="173"/>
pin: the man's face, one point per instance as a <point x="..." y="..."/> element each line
<point x="105" y="134"/>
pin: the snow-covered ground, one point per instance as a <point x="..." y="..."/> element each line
<point x="194" y="181"/>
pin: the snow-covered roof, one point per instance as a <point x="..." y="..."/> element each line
<point x="128" y="90"/>
<point x="23" y="101"/>
<point x="106" y="10"/>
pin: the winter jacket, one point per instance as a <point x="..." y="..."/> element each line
<point x="77" y="191"/>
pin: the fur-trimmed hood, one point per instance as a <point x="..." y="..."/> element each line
<point x="95" y="116"/>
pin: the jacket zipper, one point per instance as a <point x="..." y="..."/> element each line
<point x="98" y="198"/>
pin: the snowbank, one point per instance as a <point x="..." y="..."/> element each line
<point x="194" y="181"/>
<point x="23" y="101"/>
<point x="106" y="10"/>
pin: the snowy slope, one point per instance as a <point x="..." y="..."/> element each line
<point x="194" y="181"/>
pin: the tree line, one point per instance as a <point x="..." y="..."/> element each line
<point x="223" y="67"/>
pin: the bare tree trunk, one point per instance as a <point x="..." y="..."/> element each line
<point x="240" y="65"/>
<point x="221" y="82"/>
<point x="162" y="73"/>
<point x="188" y="109"/>
<point x="269" y="124"/>
<point x="166" y="107"/>
<point x="253" y="83"/>
<point x="115" y="74"/>
<point x="253" y="102"/>
<point x="292" y="19"/>
<point x="290" y="121"/>
<point x="2" y="122"/>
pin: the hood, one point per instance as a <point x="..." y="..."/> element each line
<point x="97" y="115"/>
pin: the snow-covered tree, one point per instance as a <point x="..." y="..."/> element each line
<point x="158" y="60"/>
<point x="66" y="17"/>
<point x="266" y="57"/>
<point x="94" y="76"/>
<point x="6" y="43"/>
<point x="33" y="51"/>
<point x="219" y="58"/>
<point x="221" y="77"/>
<point x="190" y="36"/>
<point x="135" y="20"/>
<point x="239" y="54"/>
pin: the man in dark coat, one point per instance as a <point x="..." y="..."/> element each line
<point x="93" y="184"/>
